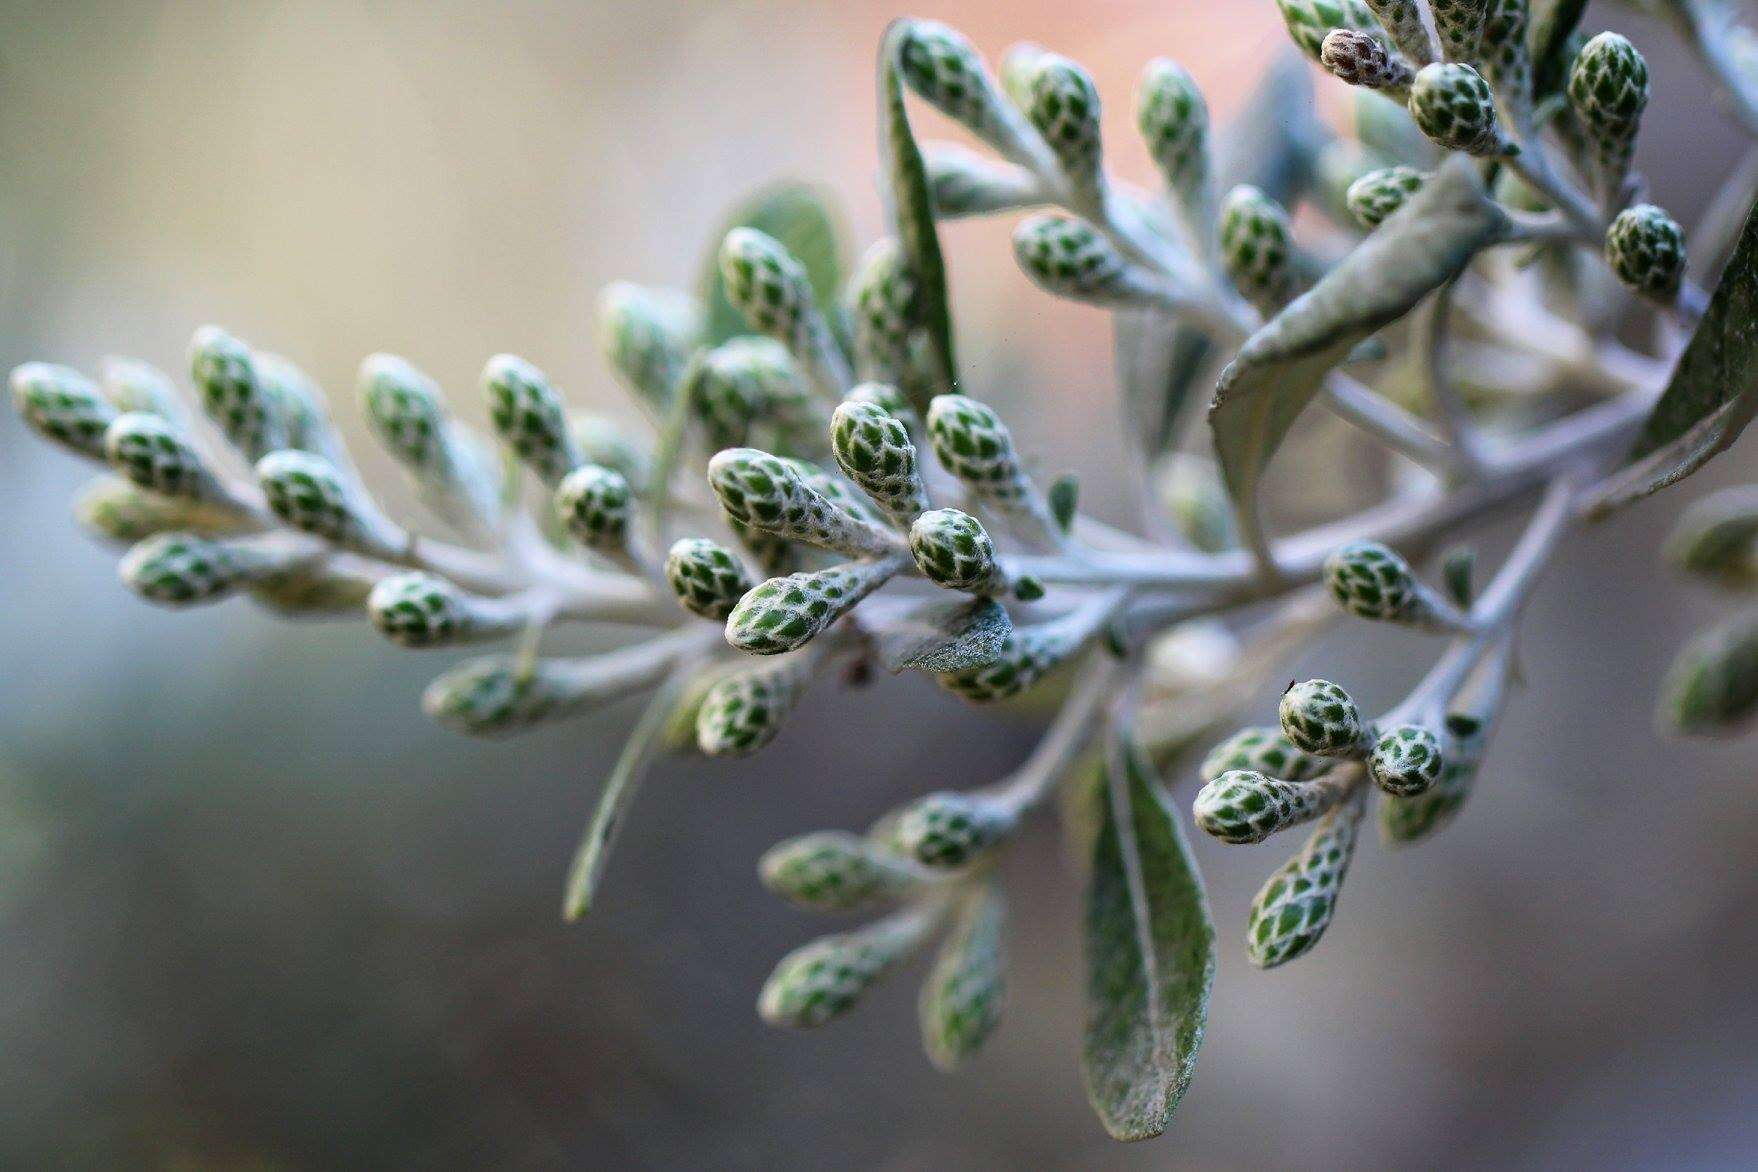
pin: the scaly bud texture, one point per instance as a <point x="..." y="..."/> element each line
<point x="784" y="614"/>
<point x="178" y="569"/>
<point x="309" y="494"/>
<point x="945" y="70"/>
<point x="63" y="405"/>
<point x="744" y="712"/>
<point x="874" y="450"/>
<point x="1363" y="60"/>
<point x="766" y="283"/>
<point x="882" y="301"/>
<point x="1502" y="54"/>
<point x="1310" y="21"/>
<point x="1405" y="820"/>
<point x="407" y="414"/>
<point x="708" y="578"/>
<point x="233" y="395"/>
<point x="421" y="610"/>
<point x="1266" y="751"/>
<point x="148" y="450"/>
<point x="1403" y="22"/>
<point x="1459" y="24"/>
<point x="1371" y="581"/>
<point x="823" y="980"/>
<point x="594" y="504"/>
<point x="1064" y="108"/>
<point x="1257" y="246"/>
<point x="1068" y="257"/>
<point x="741" y="381"/>
<point x="1406" y="760"/>
<point x="1319" y="717"/>
<point x="1027" y="656"/>
<point x="500" y="694"/>
<point x="1376" y="195"/>
<point x="1294" y="908"/>
<point x="1243" y="807"/>
<point x="954" y="550"/>
<point x="1712" y="686"/>
<point x="647" y="335"/>
<point x="528" y="415"/>
<point x="960" y="1005"/>
<point x="947" y="830"/>
<point x="771" y="494"/>
<point x="1646" y="249"/>
<point x="1174" y="121"/>
<point x="1608" y="89"/>
<point x="974" y="445"/>
<point x="833" y="871"/>
<point x="1452" y="104"/>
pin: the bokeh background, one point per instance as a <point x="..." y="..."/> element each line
<point x="256" y="912"/>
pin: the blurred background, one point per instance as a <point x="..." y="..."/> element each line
<point x="255" y="911"/>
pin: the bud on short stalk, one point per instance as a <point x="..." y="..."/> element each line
<point x="746" y="709"/>
<point x="63" y="406"/>
<point x="778" y="496"/>
<point x="948" y="830"/>
<point x="421" y="610"/>
<point x="1242" y="806"/>
<point x="823" y="980"/>
<point x="1320" y="718"/>
<point x="835" y="871"/>
<point x="528" y="415"/>
<point x="952" y="549"/>
<point x="1453" y="106"/>
<point x="769" y="286"/>
<point x="1295" y="906"/>
<point x="707" y="578"/>
<point x="874" y="450"/>
<point x="311" y="495"/>
<point x="784" y="614"/>
<point x="1646" y="249"/>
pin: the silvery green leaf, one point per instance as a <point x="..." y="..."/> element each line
<point x="1549" y="27"/>
<point x="803" y="221"/>
<point x="1150" y="952"/>
<point x="1425" y="244"/>
<point x="944" y="636"/>
<point x="643" y="745"/>
<point x="912" y="212"/>
<point x="1714" y="389"/>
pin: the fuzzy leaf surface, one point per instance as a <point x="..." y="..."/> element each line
<point x="945" y="636"/>
<point x="1150" y="953"/>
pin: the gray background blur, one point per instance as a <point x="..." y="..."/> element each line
<point x="255" y="911"/>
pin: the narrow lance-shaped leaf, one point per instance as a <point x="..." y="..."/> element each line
<point x="912" y="211"/>
<point x="1281" y="367"/>
<point x="1150" y="948"/>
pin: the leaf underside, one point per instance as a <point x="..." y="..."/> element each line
<point x="801" y="218"/>
<point x="1150" y="953"/>
<point x="911" y="207"/>
<point x="945" y="636"/>
<point x="1280" y="368"/>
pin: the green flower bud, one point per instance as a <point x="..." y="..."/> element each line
<point x="1294" y="908"/>
<point x="1242" y="807"/>
<point x="1174" y="121"/>
<point x="647" y="336"/>
<point x="62" y="405"/>
<point x="975" y="446"/>
<point x="946" y="71"/>
<point x="1064" y="107"/>
<point x="784" y="614"/>
<point x="1502" y="53"/>
<point x="233" y="395"/>
<point x="1019" y="64"/>
<point x="834" y="871"/>
<point x="963" y="183"/>
<point x="1310" y="21"/>
<point x="1257" y="246"/>
<point x="1319" y="717"/>
<point x="1452" y="104"/>
<point x="1364" y="60"/>
<point x="309" y="494"/>
<point x="947" y="830"/>
<point x="1460" y="26"/>
<point x="739" y="382"/>
<point x="501" y="694"/>
<point x="1262" y="750"/>
<point x="1403" y="22"/>
<point x="874" y="450"/>
<point x="1406" y="760"/>
<point x="882" y="304"/>
<point x="148" y="450"/>
<point x="421" y="610"/>
<point x="408" y="415"/>
<point x="1371" y="581"/>
<point x="1375" y="196"/>
<point x="771" y="494"/>
<point x="825" y="979"/>
<point x="133" y="385"/>
<point x="112" y="508"/>
<point x="179" y="569"/>
<point x="1068" y="257"/>
<point x="1718" y="537"/>
<point x="766" y="283"/>
<point x="594" y="504"/>
<point x="707" y="578"/>
<point x="1608" y="89"/>
<point x="1712" y="687"/>
<point x="744" y="711"/>
<point x="1408" y="819"/>
<point x="1646" y="249"/>
<point x="529" y="417"/>
<point x="954" y="550"/>
<point x="960" y="1004"/>
<point x="1027" y="656"/>
<point x="300" y="403"/>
